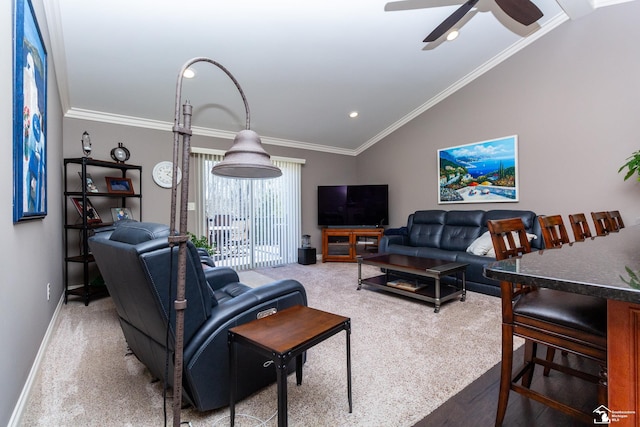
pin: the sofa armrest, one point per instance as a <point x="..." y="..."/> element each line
<point x="395" y="239"/>
<point x="218" y="277"/>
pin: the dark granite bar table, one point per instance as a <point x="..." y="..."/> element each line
<point x="603" y="267"/>
<point x="595" y="267"/>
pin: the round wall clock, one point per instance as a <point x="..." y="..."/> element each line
<point x="120" y="153"/>
<point x="163" y="172"/>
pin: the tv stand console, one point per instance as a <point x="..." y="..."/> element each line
<point x="345" y="244"/>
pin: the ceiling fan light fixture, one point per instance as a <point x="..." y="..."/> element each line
<point x="453" y="34"/>
<point x="522" y="11"/>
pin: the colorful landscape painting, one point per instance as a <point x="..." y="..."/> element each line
<point x="482" y="172"/>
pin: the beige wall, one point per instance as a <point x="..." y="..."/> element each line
<point x="571" y="97"/>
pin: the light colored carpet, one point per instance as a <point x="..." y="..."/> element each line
<point x="406" y="361"/>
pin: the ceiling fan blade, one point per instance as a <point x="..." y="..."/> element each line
<point x="450" y="21"/>
<point x="523" y="11"/>
<point x="459" y="26"/>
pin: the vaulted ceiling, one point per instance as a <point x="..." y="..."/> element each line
<point x="304" y="66"/>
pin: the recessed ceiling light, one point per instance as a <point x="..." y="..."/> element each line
<point x="189" y="73"/>
<point x="353" y="114"/>
<point x="453" y="34"/>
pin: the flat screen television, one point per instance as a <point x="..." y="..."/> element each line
<point x="353" y="205"/>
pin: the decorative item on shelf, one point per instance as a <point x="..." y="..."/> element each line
<point x="306" y="241"/>
<point x="633" y="164"/>
<point x="163" y="174"/>
<point x="89" y="210"/>
<point x="120" y="154"/>
<point x="245" y="159"/>
<point x="86" y="143"/>
<point x="90" y="185"/>
<point x="119" y="185"/>
<point x="119" y="214"/>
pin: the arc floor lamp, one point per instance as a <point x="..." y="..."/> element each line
<point x="245" y="159"/>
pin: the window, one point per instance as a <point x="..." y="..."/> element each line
<point x="250" y="223"/>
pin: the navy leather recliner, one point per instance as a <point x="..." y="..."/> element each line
<point x="137" y="265"/>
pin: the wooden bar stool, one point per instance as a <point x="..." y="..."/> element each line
<point x="554" y="233"/>
<point x="572" y="322"/>
<point x="602" y="223"/>
<point x="580" y="227"/>
<point x="616" y="220"/>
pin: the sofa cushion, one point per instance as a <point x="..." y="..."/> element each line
<point x="481" y="245"/>
<point x="466" y="218"/>
<point x="461" y="228"/>
<point x="425" y="228"/>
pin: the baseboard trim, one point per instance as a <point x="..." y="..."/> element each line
<point x="18" y="410"/>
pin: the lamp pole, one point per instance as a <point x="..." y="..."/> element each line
<point x="247" y="160"/>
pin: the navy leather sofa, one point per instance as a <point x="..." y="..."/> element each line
<point x="446" y="235"/>
<point x="136" y="262"/>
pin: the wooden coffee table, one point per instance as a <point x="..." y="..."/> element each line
<point x="419" y="268"/>
<point x="282" y="337"/>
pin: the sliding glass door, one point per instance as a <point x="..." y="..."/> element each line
<point x="250" y="223"/>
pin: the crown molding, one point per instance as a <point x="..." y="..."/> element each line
<point x="122" y="120"/>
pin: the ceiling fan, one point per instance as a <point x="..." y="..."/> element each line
<point x="523" y="11"/>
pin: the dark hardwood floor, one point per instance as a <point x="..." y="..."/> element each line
<point x="476" y="404"/>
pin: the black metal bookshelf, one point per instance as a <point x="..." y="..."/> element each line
<point x="76" y="170"/>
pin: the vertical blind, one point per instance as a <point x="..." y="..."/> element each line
<point x="250" y="223"/>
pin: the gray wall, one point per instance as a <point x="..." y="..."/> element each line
<point x="572" y="99"/>
<point x="32" y="251"/>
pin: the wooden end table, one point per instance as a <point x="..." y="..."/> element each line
<point x="282" y="337"/>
